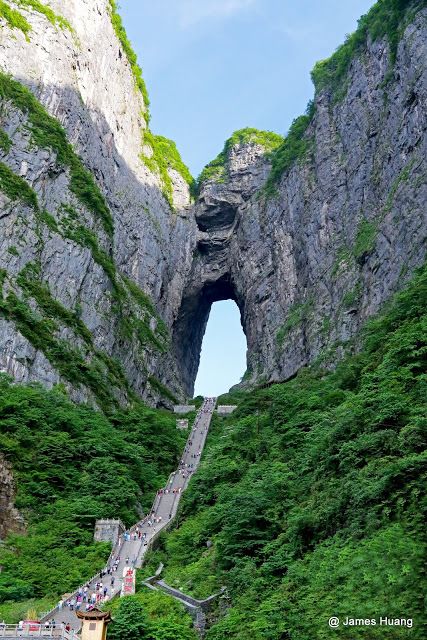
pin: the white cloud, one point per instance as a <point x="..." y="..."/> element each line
<point x="191" y="12"/>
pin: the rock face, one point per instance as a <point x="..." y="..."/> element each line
<point x="84" y="80"/>
<point x="344" y="231"/>
<point x="217" y="271"/>
<point x="107" y="289"/>
<point x="10" y="518"/>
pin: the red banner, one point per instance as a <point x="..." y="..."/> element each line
<point x="128" y="587"/>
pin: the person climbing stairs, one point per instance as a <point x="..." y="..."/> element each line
<point x="118" y="578"/>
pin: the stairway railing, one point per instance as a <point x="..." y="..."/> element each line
<point x="36" y="630"/>
<point x="118" y="545"/>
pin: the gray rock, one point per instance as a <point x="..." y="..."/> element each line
<point x="295" y="264"/>
<point x="10" y="519"/>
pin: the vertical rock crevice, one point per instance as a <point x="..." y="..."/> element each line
<point x="10" y="518"/>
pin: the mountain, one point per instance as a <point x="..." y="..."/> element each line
<point x="308" y="501"/>
<point x="108" y="268"/>
<point x="95" y="233"/>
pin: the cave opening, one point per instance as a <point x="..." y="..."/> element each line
<point x="224" y="354"/>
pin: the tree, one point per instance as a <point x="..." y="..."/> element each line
<point x="170" y="630"/>
<point x="130" y="621"/>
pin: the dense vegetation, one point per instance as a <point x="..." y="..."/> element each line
<point x="72" y="465"/>
<point x="150" y="616"/>
<point x="312" y="493"/>
<point x="384" y="20"/>
<point x="16" y="20"/>
<point x="166" y="156"/>
<point x="216" y="169"/>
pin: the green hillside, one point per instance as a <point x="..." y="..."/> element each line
<point x="73" y="464"/>
<point x="313" y="494"/>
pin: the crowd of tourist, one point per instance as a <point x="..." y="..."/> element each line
<point x="93" y="594"/>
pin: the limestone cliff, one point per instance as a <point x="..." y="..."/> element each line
<point x="92" y="252"/>
<point x="312" y="248"/>
<point x="107" y="270"/>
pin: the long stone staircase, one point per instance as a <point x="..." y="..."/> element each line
<point x="132" y="547"/>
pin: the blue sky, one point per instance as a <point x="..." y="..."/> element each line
<point x="214" y="66"/>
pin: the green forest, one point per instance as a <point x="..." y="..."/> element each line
<point x="72" y="465"/>
<point x="313" y="495"/>
<point x="310" y="499"/>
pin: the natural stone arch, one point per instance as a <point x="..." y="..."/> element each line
<point x="215" y="274"/>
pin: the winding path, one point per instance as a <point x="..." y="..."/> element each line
<point x="131" y="552"/>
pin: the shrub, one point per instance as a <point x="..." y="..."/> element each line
<point x="384" y="20"/>
<point x="14" y="18"/>
<point x="216" y="169"/>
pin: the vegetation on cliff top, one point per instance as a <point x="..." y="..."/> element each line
<point x="312" y="494"/>
<point x="216" y="169"/>
<point x="16" y="20"/>
<point x="72" y="465"/>
<point x="166" y="156"/>
<point x="282" y="152"/>
<point x="384" y="20"/>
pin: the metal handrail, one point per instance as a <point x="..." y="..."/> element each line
<point x="116" y="548"/>
<point x="36" y="630"/>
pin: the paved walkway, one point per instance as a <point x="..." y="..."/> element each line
<point x="131" y="552"/>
